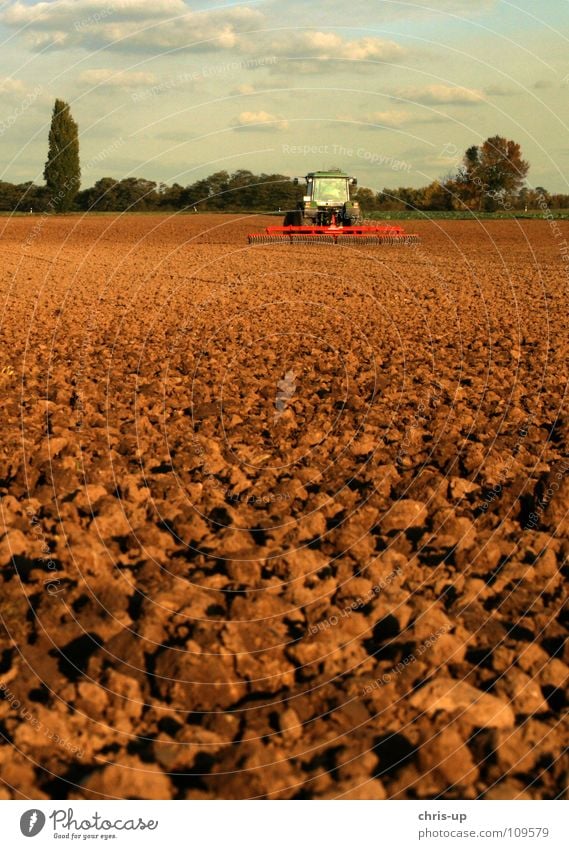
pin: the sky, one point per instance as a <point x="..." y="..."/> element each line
<point x="393" y="92"/>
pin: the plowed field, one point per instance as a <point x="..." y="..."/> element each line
<point x="282" y="521"/>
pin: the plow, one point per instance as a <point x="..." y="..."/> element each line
<point x="328" y="215"/>
<point x="333" y="235"/>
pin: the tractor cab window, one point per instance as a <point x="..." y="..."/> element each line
<point x="330" y="189"/>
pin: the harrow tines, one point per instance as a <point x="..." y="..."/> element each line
<point x="405" y="239"/>
<point x="356" y="240"/>
<point x="397" y="239"/>
<point x="381" y="235"/>
<point x="263" y="239"/>
<point x="311" y="239"/>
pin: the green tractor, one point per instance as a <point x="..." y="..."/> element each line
<point x="326" y="202"/>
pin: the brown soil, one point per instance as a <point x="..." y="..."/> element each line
<point x="283" y="522"/>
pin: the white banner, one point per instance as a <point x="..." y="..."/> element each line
<point x="282" y="825"/>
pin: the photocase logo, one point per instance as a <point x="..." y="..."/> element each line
<point x="286" y="390"/>
<point x="32" y="822"/>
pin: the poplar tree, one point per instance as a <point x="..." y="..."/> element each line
<point x="62" y="171"/>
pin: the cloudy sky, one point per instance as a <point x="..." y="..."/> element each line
<point x="392" y="91"/>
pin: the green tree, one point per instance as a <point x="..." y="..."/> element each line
<point x="242" y="190"/>
<point x="62" y="171"/>
<point x="102" y="196"/>
<point x="437" y="196"/>
<point x="388" y="200"/>
<point x="171" y="197"/>
<point x="365" y="198"/>
<point x="492" y="173"/>
<point x="135" y="193"/>
<point x="218" y="185"/>
<point x="196" y="195"/>
<point x="271" y="192"/>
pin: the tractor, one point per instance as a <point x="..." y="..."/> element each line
<point x="326" y="201"/>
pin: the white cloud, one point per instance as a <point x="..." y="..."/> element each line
<point x="442" y="94"/>
<point x="393" y="118"/>
<point x="330" y="45"/>
<point x="303" y="53"/>
<point x="261" y="88"/>
<point x="371" y="48"/>
<point x="244" y="88"/>
<point x="116" y="79"/>
<point x="377" y="121"/>
<point x="259" y="121"/>
<point x="128" y="24"/>
<point x="9" y="86"/>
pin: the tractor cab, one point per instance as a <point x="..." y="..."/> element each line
<point x="328" y="190"/>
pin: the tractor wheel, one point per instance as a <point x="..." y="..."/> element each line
<point x="294" y="218"/>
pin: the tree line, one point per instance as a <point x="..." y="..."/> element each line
<point x="488" y="177"/>
<point x="244" y="191"/>
<point x="239" y="191"/>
